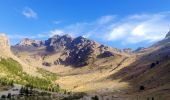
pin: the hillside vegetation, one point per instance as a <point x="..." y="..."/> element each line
<point x="11" y="72"/>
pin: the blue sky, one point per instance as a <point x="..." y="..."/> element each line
<point x="117" y="23"/>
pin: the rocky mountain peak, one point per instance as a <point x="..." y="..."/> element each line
<point x="140" y="49"/>
<point x="58" y="43"/>
<point x="76" y="52"/>
<point x="67" y="36"/>
<point x="167" y="35"/>
<point x="30" y="42"/>
<point x="80" y="39"/>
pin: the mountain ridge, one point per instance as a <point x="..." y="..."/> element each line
<point x="80" y="48"/>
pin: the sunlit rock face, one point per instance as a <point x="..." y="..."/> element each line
<point x="4" y="45"/>
<point x="30" y="42"/>
<point x="4" y="42"/>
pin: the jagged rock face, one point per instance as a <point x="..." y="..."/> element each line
<point x="81" y="52"/>
<point x="4" y="42"/>
<point x="73" y="51"/>
<point x="4" y="45"/>
<point x="105" y="54"/>
<point x="58" y="43"/>
<point x="30" y="42"/>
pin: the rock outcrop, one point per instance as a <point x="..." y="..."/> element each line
<point x="58" y="43"/>
<point x="30" y="42"/>
<point x="4" y="45"/>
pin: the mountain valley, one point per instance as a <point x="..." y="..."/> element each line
<point x="80" y="65"/>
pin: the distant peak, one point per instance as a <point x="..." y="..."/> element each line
<point x="61" y="36"/>
<point x="139" y="49"/>
<point x="167" y="35"/>
<point x="81" y="38"/>
<point x="30" y="42"/>
<point x="55" y="36"/>
<point x="26" y="39"/>
<point x="67" y="36"/>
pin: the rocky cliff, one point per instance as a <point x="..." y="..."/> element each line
<point x="4" y="45"/>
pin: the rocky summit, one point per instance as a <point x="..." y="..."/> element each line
<point x="77" y="52"/>
<point x="30" y="42"/>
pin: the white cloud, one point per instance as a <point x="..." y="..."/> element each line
<point x="56" y="32"/>
<point x="20" y="36"/>
<point x="87" y="35"/>
<point x="136" y="28"/>
<point x="29" y="13"/>
<point x="106" y="19"/>
<point x="117" y="32"/>
<point x="130" y="29"/>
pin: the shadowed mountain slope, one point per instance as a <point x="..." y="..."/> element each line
<point x="76" y="52"/>
<point x="149" y="74"/>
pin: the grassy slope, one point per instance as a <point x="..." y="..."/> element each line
<point x="156" y="80"/>
<point x="94" y="78"/>
<point x="11" y="72"/>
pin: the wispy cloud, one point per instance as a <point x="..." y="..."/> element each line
<point x="56" y="22"/>
<point x="131" y="29"/>
<point x="29" y="13"/>
<point x="21" y="36"/>
<point x="55" y="32"/>
<point x="140" y="28"/>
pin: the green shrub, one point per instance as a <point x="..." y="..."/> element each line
<point x="95" y="97"/>
<point x="15" y="74"/>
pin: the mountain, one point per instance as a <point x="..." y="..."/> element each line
<point x="150" y="70"/>
<point x="75" y="52"/>
<point x="15" y="73"/>
<point x="140" y="49"/>
<point x="163" y="42"/>
<point x="168" y="35"/>
<point x="30" y="42"/>
<point x="87" y="66"/>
